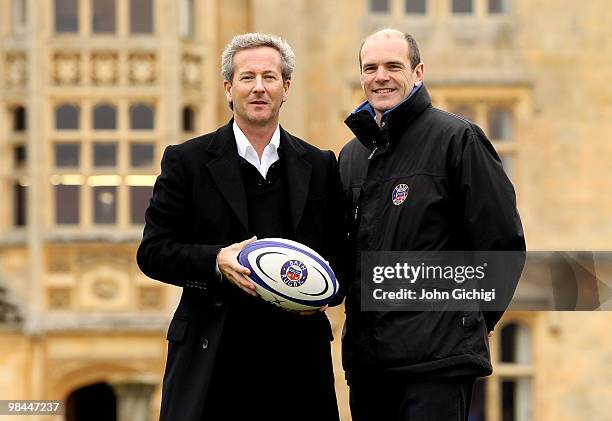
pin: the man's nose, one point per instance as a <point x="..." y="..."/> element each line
<point x="259" y="86"/>
<point x="381" y="74"/>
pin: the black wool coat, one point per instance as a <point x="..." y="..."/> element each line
<point x="198" y="207"/>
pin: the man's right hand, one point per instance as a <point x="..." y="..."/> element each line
<point x="227" y="261"/>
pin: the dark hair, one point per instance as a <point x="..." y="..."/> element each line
<point x="414" y="56"/>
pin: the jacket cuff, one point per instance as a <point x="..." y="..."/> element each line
<point x="204" y="258"/>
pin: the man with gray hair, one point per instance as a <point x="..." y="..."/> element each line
<point x="232" y="356"/>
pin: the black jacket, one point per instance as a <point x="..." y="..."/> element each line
<point x="198" y="206"/>
<point x="459" y="198"/>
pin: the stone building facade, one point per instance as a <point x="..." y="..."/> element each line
<point x="91" y="91"/>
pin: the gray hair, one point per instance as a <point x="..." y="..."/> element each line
<point x="254" y="40"/>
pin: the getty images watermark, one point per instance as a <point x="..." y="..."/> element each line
<point x="411" y="274"/>
<point x="476" y="280"/>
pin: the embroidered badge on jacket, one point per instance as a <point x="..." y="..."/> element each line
<point x="400" y="192"/>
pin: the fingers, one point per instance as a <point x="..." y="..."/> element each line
<point x="247" y="287"/>
<point x="247" y="242"/>
<point x="228" y="256"/>
<point x="241" y="282"/>
<point x="232" y="270"/>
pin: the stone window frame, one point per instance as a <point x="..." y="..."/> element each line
<point x="397" y="9"/>
<point x="19" y="118"/>
<point x="85" y="21"/>
<point x="505" y="371"/>
<point x="482" y="109"/>
<point x="92" y="19"/>
<point x="427" y="5"/>
<point x="483" y="98"/>
<point x="371" y="4"/>
<point x="15" y="178"/>
<point x="88" y="176"/>
<point x="130" y="30"/>
<point x="440" y="8"/>
<point x="188" y="22"/>
<point x="480" y="9"/>
<point x="79" y="21"/>
<point x="189" y="108"/>
<point x="19" y="17"/>
<point x="505" y="5"/>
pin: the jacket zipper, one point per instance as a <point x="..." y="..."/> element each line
<point x="373" y="152"/>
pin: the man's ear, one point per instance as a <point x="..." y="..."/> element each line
<point x="227" y="87"/>
<point x="286" y="85"/>
<point x="420" y="74"/>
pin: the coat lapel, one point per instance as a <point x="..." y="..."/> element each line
<point x="225" y="171"/>
<point x="298" y="176"/>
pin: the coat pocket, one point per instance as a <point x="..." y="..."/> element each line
<point x="177" y="330"/>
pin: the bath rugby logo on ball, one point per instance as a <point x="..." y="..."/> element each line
<point x="400" y="192"/>
<point x="294" y="273"/>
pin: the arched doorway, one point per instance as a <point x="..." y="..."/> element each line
<point x="95" y="402"/>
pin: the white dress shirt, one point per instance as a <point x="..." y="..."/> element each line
<point x="247" y="151"/>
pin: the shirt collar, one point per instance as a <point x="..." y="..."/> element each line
<point x="243" y="144"/>
<point x="365" y="105"/>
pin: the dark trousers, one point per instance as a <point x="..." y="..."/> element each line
<point x="385" y="398"/>
<point x="296" y="385"/>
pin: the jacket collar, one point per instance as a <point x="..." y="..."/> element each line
<point x="298" y="171"/>
<point x="225" y="171"/>
<point x="395" y="120"/>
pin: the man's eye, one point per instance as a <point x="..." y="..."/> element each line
<point x="246" y="77"/>
<point x="369" y="69"/>
<point x="270" y="77"/>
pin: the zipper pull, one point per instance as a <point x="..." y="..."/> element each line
<point x="373" y="152"/>
<point x="356" y="213"/>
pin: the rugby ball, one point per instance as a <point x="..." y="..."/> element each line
<point x="289" y="274"/>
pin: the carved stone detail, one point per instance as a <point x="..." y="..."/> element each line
<point x="105" y="289"/>
<point x="150" y="298"/>
<point x="142" y="68"/>
<point x="16" y="70"/>
<point x="59" y="261"/>
<point x="104" y="68"/>
<point x="59" y="298"/>
<point x="66" y="68"/>
<point x="117" y="258"/>
<point x="191" y="67"/>
<point x="9" y="313"/>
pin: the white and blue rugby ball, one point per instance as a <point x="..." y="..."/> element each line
<point x="289" y="274"/>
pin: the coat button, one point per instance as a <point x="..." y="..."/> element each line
<point x="205" y="344"/>
<point x="218" y="303"/>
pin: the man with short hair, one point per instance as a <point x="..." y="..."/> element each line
<point x="232" y="356"/>
<point x="418" y="179"/>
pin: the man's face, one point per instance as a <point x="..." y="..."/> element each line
<point x="386" y="76"/>
<point x="257" y="89"/>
